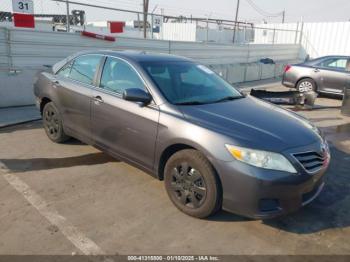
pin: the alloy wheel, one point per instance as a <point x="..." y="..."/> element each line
<point x="305" y="86"/>
<point x="51" y="122"/>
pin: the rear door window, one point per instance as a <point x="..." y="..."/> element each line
<point x="84" y="68"/>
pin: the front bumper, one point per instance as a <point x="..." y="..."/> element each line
<point x="37" y="102"/>
<point x="260" y="193"/>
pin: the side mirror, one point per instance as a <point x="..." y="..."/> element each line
<point x="137" y="95"/>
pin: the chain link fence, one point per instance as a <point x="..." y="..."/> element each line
<point x="52" y="15"/>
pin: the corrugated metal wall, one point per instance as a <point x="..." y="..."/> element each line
<point x="23" y="52"/>
<point x="3" y="48"/>
<point x="32" y="48"/>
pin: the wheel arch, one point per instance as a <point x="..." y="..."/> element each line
<point x="43" y="102"/>
<point x="167" y="153"/>
<point x="176" y="147"/>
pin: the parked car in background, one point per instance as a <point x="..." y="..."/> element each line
<point x="329" y="74"/>
<point x="179" y="121"/>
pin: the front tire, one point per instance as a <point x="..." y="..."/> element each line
<point x="306" y="85"/>
<point x="192" y="184"/>
<point x="53" y="125"/>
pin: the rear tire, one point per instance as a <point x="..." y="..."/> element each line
<point x="53" y="125"/>
<point x="192" y="184"/>
<point x="306" y="85"/>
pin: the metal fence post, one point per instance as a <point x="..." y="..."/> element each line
<point x="152" y="21"/>
<point x="67" y="16"/>
<point x="138" y="21"/>
<point x="296" y="33"/>
<point x="301" y="33"/>
<point x="207" y="38"/>
<point x="273" y="36"/>
<point x="8" y="48"/>
<point x="247" y="63"/>
<point x="161" y="28"/>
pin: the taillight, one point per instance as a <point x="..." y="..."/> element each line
<point x="287" y="68"/>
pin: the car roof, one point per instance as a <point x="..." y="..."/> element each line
<point x="141" y="56"/>
<point x="335" y="56"/>
<point x="321" y="58"/>
<point x="130" y="55"/>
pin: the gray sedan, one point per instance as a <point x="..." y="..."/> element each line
<point x="179" y="121"/>
<point x="329" y="74"/>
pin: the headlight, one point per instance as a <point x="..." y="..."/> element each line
<point x="263" y="159"/>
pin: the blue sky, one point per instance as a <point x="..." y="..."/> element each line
<point x="310" y="10"/>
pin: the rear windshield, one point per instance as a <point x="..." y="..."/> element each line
<point x="186" y="82"/>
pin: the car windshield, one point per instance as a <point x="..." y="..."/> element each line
<point x="186" y="83"/>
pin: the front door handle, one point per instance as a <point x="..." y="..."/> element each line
<point x="316" y="70"/>
<point x="55" y="83"/>
<point x="98" y="100"/>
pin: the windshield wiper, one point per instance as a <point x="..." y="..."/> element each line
<point x="228" y="98"/>
<point x="189" y="103"/>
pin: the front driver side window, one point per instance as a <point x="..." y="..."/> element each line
<point x="117" y="76"/>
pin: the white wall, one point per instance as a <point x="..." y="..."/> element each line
<point x="320" y="39"/>
<point x="317" y="39"/>
<point x="178" y="32"/>
<point x="277" y="33"/>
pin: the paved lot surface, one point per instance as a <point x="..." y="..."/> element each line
<point x="74" y="199"/>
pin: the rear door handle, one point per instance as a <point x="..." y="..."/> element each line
<point x="316" y="70"/>
<point x="98" y="100"/>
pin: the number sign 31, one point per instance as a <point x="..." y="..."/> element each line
<point x="23" y="6"/>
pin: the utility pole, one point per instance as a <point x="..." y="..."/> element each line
<point x="145" y="12"/>
<point x="236" y="22"/>
<point x="283" y="16"/>
<point x="67" y="17"/>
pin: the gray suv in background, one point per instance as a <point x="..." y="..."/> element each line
<point x="179" y="121"/>
<point x="329" y="74"/>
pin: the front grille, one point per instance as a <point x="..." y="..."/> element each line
<point x="311" y="161"/>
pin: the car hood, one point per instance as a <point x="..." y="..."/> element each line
<point x="253" y="123"/>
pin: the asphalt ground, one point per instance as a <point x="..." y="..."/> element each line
<point x="64" y="199"/>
